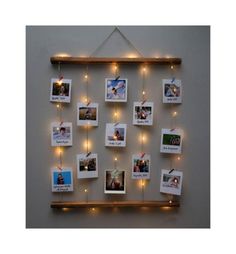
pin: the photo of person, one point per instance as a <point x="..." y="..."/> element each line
<point x="141" y="166"/>
<point x="116" y="89"/>
<point x="62" y="180"/>
<point x="114" y="181"/>
<point x="87" y="114"/>
<point x="61" y="134"/>
<point x="143" y="113"/>
<point x="172" y="91"/>
<point x="171" y="183"/>
<point x="115" y="134"/>
<point x="171" y="141"/>
<point x="60" y="90"/>
<point x="87" y="166"/>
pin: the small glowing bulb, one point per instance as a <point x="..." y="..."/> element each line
<point x="115" y="114"/>
<point x="86" y="76"/>
<point x="58" y="106"/>
<point x="143" y="183"/>
<point x="175" y="113"/>
<point x="115" y="67"/>
<point x="115" y="137"/>
<point x="143" y="92"/>
<point x="175" y="181"/>
<point x="178" y="158"/>
<point x="85" y="190"/>
<point x="86" y="167"/>
<point x="170" y="202"/>
<point x="58" y="128"/>
<point x="93" y="209"/>
<point x="144" y="69"/>
<point x="59" y="82"/>
<point x="172" y="67"/>
<point x="115" y="159"/>
<point x="143" y="138"/>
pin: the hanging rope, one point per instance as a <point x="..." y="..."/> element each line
<point x="109" y="36"/>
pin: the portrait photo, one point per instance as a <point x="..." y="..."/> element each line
<point x="172" y="91"/>
<point x="143" y="113"/>
<point x="60" y="90"/>
<point x="116" y="90"/>
<point x="87" y="165"/>
<point x="87" y="114"/>
<point x="141" y="166"/>
<point x="171" y="141"/>
<point x="171" y="183"/>
<point x="62" y="180"/>
<point x="115" y="134"/>
<point x="61" y="134"/>
<point x="114" y="181"/>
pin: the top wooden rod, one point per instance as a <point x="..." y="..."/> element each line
<point x="101" y="60"/>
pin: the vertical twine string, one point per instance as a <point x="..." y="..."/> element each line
<point x="87" y="101"/>
<point x="60" y="120"/>
<point x="115" y="118"/>
<point x="172" y="122"/>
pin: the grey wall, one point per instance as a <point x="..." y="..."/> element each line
<point x="192" y="44"/>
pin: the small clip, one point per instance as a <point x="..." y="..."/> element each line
<point x="88" y="154"/>
<point x="142" y="155"/>
<point x="172" y="129"/>
<point x="60" y="78"/>
<point x="88" y="103"/>
<point x="173" y="80"/>
<point x="61" y="123"/>
<point x="143" y="102"/>
<point x="171" y="170"/>
<point x="115" y="124"/>
<point x="59" y="167"/>
<point x="117" y="78"/>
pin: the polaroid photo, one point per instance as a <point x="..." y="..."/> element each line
<point x="62" y="180"/>
<point x="171" y="141"/>
<point x="114" y="181"/>
<point x="116" y="89"/>
<point x="172" y="91"/>
<point x="171" y="183"/>
<point x="87" y="165"/>
<point x="143" y="113"/>
<point x="60" y="90"/>
<point x="87" y="114"/>
<point x="141" y="166"/>
<point x="61" y="134"/>
<point x="115" y="134"/>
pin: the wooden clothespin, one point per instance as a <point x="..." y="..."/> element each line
<point x="171" y="170"/>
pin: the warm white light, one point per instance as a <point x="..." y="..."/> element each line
<point x="178" y="158"/>
<point x="143" y="92"/>
<point x="85" y="190"/>
<point x="144" y="69"/>
<point x="58" y="106"/>
<point x="58" y="128"/>
<point x="59" y="82"/>
<point x="175" y="114"/>
<point x="93" y="209"/>
<point x="170" y="202"/>
<point x="87" y="145"/>
<point x="115" y="158"/>
<point x="86" y="76"/>
<point x="86" y="167"/>
<point x="172" y="67"/>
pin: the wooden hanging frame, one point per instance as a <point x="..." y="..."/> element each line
<point x="107" y="60"/>
<point x="107" y="204"/>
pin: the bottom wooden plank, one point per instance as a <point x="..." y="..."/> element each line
<point x="82" y="204"/>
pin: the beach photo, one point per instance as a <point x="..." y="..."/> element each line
<point x="87" y="114"/>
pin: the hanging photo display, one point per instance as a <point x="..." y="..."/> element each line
<point x="171" y="182"/>
<point x="141" y="166"/>
<point x="172" y="91"/>
<point x="115" y="134"/>
<point x="87" y="114"/>
<point x="87" y="165"/>
<point x="171" y="141"/>
<point x="61" y="134"/>
<point x="62" y="180"/>
<point x="116" y="90"/>
<point x="143" y="113"/>
<point x="114" y="181"/>
<point x="60" y="90"/>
